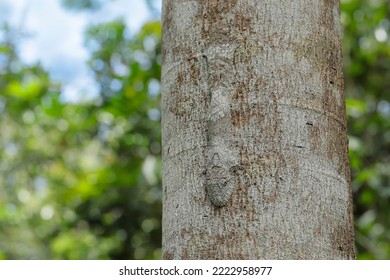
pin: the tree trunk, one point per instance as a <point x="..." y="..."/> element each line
<point x="255" y="148"/>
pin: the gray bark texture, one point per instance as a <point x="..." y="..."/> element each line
<point x="255" y="148"/>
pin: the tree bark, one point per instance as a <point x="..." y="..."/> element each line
<point x="255" y="148"/>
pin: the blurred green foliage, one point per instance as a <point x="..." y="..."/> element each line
<point x="82" y="180"/>
<point x="83" y="4"/>
<point x="367" y="83"/>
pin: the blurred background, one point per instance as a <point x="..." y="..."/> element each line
<point x="80" y="153"/>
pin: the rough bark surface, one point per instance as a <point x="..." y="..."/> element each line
<point x="255" y="148"/>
